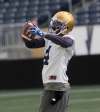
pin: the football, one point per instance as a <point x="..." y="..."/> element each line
<point x="25" y="30"/>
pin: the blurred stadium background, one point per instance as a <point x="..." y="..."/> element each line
<point x="20" y="67"/>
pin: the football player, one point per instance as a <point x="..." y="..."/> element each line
<point x="58" y="50"/>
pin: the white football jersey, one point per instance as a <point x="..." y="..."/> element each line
<point x="55" y="62"/>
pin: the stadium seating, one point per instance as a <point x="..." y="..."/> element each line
<point x="89" y="15"/>
<point x="21" y="10"/>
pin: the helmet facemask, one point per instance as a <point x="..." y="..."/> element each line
<point x="57" y="27"/>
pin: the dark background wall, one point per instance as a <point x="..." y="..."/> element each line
<point x="84" y="70"/>
<point x="16" y="74"/>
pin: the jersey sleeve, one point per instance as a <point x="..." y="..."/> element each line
<point x="64" y="42"/>
<point x="36" y="43"/>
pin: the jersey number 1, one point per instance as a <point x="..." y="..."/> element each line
<point x="46" y="57"/>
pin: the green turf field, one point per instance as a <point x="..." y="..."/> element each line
<point x="83" y="99"/>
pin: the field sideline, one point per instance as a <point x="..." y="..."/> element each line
<point x="82" y="99"/>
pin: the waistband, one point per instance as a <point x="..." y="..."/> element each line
<point x="57" y="86"/>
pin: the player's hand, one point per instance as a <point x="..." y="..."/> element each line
<point x="36" y="31"/>
<point x="26" y="33"/>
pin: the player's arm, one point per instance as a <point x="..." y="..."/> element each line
<point x="36" y="43"/>
<point x="62" y="41"/>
